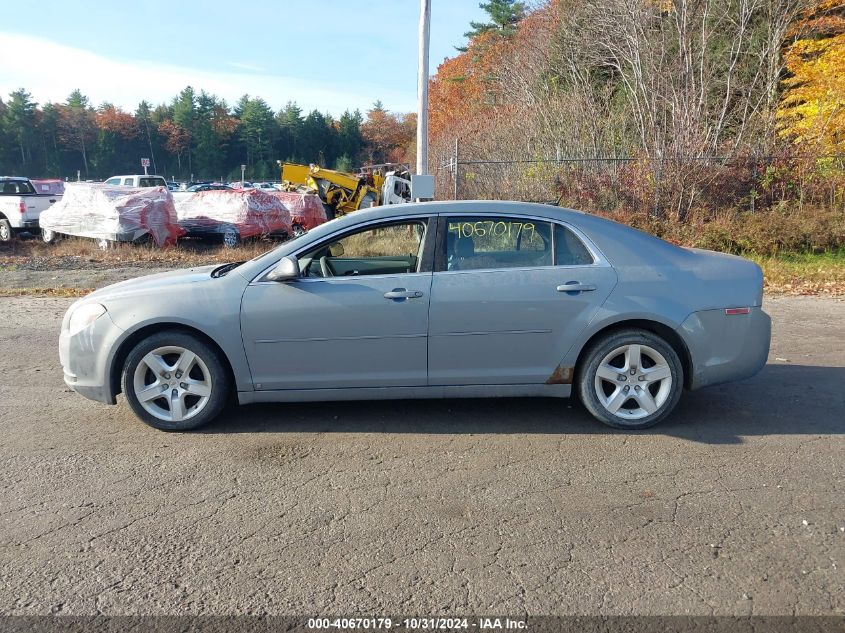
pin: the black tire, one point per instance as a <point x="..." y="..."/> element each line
<point x="220" y="381"/>
<point x="231" y="237"/>
<point x="49" y="237"/>
<point x="631" y="416"/>
<point x="5" y="231"/>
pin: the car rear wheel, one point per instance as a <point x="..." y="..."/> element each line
<point x="5" y="231"/>
<point x="48" y="236"/>
<point x="175" y="382"/>
<point x="630" y="379"/>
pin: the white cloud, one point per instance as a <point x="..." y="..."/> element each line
<point x="51" y="71"/>
<point x="250" y="67"/>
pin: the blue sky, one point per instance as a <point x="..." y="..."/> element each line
<point x="325" y="54"/>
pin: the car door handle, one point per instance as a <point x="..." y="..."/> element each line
<point x="574" y="286"/>
<point x="401" y="293"/>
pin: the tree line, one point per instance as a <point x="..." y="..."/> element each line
<point x="710" y="103"/>
<point x="195" y="136"/>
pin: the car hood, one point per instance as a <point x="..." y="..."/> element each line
<point x="154" y="283"/>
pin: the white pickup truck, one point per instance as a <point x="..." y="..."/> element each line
<point x="20" y="206"/>
<point x="136" y="180"/>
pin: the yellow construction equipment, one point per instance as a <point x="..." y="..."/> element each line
<point x="340" y="192"/>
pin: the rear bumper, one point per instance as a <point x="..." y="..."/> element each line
<point x="725" y="347"/>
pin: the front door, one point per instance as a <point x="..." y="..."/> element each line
<point x="358" y="316"/>
<point x="500" y="312"/>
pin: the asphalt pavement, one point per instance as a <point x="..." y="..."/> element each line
<point x="736" y="505"/>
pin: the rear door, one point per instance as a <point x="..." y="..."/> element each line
<point x="358" y="317"/>
<point x="500" y="311"/>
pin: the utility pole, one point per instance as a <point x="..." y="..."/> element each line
<point x="422" y="89"/>
<point x="457" y="168"/>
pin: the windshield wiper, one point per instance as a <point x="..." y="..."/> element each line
<point x="221" y="271"/>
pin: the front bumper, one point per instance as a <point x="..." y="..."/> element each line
<point x="724" y="347"/>
<point x="86" y="357"/>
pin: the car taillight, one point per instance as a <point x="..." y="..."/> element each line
<point x="23" y="206"/>
<point x="730" y="311"/>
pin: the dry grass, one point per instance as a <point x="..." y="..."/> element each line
<point x="45" y="292"/>
<point x="804" y="274"/>
<point x="186" y="253"/>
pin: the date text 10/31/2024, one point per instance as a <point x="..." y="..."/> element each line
<point x="418" y="623"/>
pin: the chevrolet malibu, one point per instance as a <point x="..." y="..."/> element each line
<point x="434" y="300"/>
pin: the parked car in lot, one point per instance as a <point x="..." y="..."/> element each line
<point x="431" y="300"/>
<point x="136" y="180"/>
<point x="21" y="206"/>
<point x="209" y="186"/>
<point x="232" y="215"/>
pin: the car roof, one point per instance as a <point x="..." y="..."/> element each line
<point x="13" y="178"/>
<point x="135" y="176"/>
<point x="465" y="206"/>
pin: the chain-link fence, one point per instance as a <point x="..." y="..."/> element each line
<point x="665" y="187"/>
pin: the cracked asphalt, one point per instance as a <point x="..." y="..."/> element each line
<point x="733" y="506"/>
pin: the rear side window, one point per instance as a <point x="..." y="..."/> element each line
<point x="474" y="243"/>
<point x="127" y="181"/>
<point x="569" y="250"/>
<point x="16" y="187"/>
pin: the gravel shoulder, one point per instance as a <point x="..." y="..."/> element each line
<point x="733" y="506"/>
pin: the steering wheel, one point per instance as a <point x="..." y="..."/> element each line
<point x="325" y="268"/>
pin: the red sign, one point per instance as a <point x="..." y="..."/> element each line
<point x="145" y="162"/>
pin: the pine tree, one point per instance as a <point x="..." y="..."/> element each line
<point x="504" y="16"/>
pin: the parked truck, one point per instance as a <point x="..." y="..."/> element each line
<point x="21" y="206"/>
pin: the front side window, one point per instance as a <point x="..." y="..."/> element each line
<point x="474" y="243"/>
<point x="382" y="250"/>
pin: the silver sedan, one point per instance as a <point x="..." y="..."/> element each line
<point x="433" y="300"/>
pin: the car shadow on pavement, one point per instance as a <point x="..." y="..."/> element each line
<point x="782" y="399"/>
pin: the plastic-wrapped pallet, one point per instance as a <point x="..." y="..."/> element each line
<point x="234" y="214"/>
<point x="306" y="209"/>
<point x="121" y="214"/>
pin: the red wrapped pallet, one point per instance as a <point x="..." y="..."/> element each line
<point x="114" y="214"/>
<point x="233" y="214"/>
<point x="306" y="209"/>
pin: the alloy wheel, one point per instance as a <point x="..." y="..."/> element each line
<point x="633" y="381"/>
<point x="172" y="383"/>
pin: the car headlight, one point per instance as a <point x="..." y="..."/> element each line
<point x="84" y="316"/>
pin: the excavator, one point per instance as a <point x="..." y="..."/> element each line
<point x="343" y="192"/>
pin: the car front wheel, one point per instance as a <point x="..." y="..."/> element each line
<point x="175" y="382"/>
<point x="630" y="379"/>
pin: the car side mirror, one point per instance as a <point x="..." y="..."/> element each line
<point x="285" y="270"/>
<point x="336" y="249"/>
